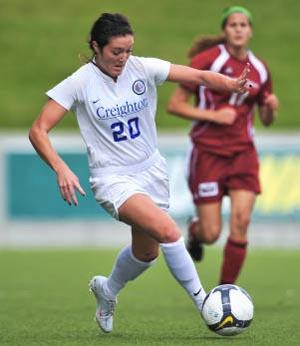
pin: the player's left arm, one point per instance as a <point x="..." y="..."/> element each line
<point x="267" y="101"/>
<point x="268" y="109"/>
<point x="184" y="74"/>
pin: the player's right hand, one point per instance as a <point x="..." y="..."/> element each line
<point x="225" y="116"/>
<point x="242" y="84"/>
<point x="68" y="183"/>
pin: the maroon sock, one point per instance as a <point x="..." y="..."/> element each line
<point x="233" y="259"/>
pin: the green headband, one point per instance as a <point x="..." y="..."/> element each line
<point x="234" y="9"/>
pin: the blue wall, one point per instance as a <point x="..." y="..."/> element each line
<point x="31" y="191"/>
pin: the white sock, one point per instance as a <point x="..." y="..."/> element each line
<point x="127" y="267"/>
<point x="183" y="269"/>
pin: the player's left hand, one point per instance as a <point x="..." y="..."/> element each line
<point x="271" y="101"/>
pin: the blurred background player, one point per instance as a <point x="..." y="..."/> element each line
<point x="114" y="97"/>
<point x="223" y="159"/>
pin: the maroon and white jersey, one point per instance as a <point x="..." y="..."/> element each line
<point x="228" y="139"/>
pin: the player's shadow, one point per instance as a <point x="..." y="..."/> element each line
<point x="226" y="338"/>
<point x="180" y="340"/>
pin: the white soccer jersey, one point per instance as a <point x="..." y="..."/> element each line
<point x="116" y="119"/>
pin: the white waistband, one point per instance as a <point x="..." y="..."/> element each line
<point x="138" y="167"/>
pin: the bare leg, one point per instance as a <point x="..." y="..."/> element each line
<point x="210" y="222"/>
<point x="151" y="228"/>
<point x="142" y="213"/>
<point x="235" y="250"/>
<point x="204" y="229"/>
<point x="132" y="261"/>
<point x="153" y="225"/>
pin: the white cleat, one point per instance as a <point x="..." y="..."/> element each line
<point x="105" y="306"/>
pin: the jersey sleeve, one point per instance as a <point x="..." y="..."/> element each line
<point x="64" y="93"/>
<point x="157" y="69"/>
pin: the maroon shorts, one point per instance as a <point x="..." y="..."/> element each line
<point x="211" y="176"/>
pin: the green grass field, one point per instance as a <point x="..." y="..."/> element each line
<point x="44" y="300"/>
<point x="44" y="297"/>
<point x="41" y="40"/>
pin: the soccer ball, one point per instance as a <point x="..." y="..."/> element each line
<point x="227" y="310"/>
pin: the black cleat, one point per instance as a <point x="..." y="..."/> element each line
<point x="194" y="245"/>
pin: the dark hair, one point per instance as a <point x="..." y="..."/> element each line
<point x="107" y="26"/>
<point x="205" y="42"/>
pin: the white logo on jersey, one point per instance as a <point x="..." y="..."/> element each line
<point x="139" y="87"/>
<point x="253" y="84"/>
<point x="208" y="189"/>
<point x="228" y="70"/>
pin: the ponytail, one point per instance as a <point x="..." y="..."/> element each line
<point x="205" y="42"/>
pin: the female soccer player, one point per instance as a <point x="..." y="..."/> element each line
<point x="223" y="159"/>
<point x="114" y="98"/>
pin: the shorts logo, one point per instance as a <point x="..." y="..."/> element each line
<point x="208" y="189"/>
<point x="139" y="87"/>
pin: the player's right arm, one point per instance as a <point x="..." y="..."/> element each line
<point x="49" y="117"/>
<point x="179" y="105"/>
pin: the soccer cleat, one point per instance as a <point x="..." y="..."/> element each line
<point x="105" y="306"/>
<point x="193" y="244"/>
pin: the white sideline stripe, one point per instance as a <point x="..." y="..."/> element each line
<point x="11" y="142"/>
<point x="112" y="234"/>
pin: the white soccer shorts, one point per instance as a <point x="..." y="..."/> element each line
<point x="112" y="190"/>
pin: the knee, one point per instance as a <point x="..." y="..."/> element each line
<point x="210" y="233"/>
<point x="239" y="227"/>
<point x="211" y="238"/>
<point x="241" y="221"/>
<point x="169" y="234"/>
